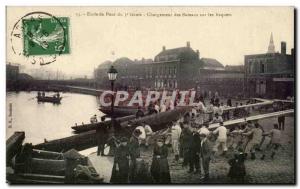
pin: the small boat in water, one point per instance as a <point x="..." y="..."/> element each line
<point x="41" y="97"/>
<point x="55" y="100"/>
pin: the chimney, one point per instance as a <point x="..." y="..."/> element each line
<point x="164" y="48"/>
<point x="188" y="44"/>
<point x="198" y="53"/>
<point x="283" y="47"/>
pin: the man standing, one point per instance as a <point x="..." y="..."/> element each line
<point x="102" y="136"/>
<point x="222" y="138"/>
<point x="255" y="136"/>
<point x="175" y="133"/>
<point x="121" y="163"/>
<point x="210" y="111"/>
<point x="205" y="153"/>
<point x="148" y="132"/>
<point x="281" y="120"/>
<point x="194" y="152"/>
<point x="134" y="153"/>
<point x="185" y="139"/>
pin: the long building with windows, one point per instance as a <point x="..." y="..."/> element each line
<point x="177" y="68"/>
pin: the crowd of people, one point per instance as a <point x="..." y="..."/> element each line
<point x="195" y="145"/>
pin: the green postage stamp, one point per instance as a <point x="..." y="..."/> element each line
<point x="46" y="36"/>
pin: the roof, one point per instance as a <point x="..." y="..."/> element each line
<point x="119" y="61"/>
<point x="123" y="60"/>
<point x="174" y="51"/>
<point x="211" y="62"/>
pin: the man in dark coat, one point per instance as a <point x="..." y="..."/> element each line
<point x="281" y="120"/>
<point x="160" y="171"/>
<point x="194" y="152"/>
<point x="139" y="113"/>
<point x="185" y="141"/>
<point x="102" y="136"/>
<point x="205" y="154"/>
<point x="121" y="163"/>
<point x="134" y="153"/>
<point x="237" y="170"/>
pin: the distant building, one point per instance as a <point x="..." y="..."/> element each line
<point x="212" y="64"/>
<point x="237" y="68"/>
<point x="12" y="72"/>
<point x="177" y="68"/>
<point x="271" y="74"/>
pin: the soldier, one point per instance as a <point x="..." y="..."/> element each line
<point x="175" y="136"/>
<point x="255" y="136"/>
<point x="194" y="152"/>
<point x="160" y="167"/>
<point x="275" y="134"/>
<point x="205" y="154"/>
<point x="121" y="163"/>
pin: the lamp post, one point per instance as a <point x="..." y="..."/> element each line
<point x="112" y="76"/>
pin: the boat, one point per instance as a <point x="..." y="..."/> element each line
<point x="28" y="165"/>
<point x="119" y="111"/>
<point x="93" y="126"/>
<point x="88" y="139"/>
<point x="55" y="100"/>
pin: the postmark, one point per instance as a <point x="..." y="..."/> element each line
<point x="40" y="37"/>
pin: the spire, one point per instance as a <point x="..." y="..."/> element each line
<point x="271" y="48"/>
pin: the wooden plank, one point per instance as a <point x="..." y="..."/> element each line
<point x="249" y="105"/>
<point x="252" y="118"/>
<point x="41" y="176"/>
<point x="42" y="154"/>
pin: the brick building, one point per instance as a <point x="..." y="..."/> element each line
<point x="177" y="68"/>
<point x="271" y="74"/>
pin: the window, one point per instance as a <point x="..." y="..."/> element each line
<point x="262" y="67"/>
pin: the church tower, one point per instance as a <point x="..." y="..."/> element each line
<point x="271" y="48"/>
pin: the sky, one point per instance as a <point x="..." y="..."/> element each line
<point x="241" y="31"/>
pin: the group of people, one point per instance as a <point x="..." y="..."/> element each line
<point x="42" y="94"/>
<point x="129" y="167"/>
<point x="196" y="144"/>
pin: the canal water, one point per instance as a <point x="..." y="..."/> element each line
<point x="46" y="120"/>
